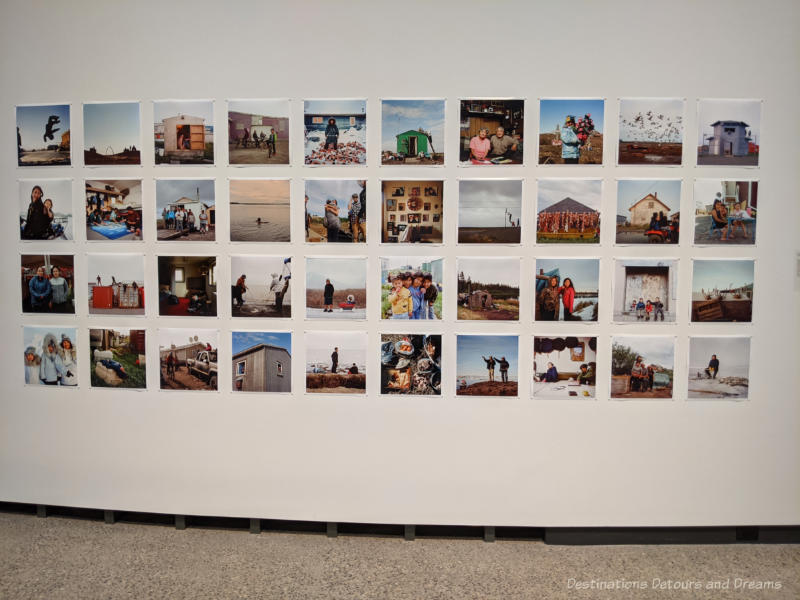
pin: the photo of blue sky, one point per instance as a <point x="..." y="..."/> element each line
<point x="399" y="116"/>
<point x="242" y="340"/>
<point x="111" y="126"/>
<point x="553" y="112"/>
<point x="32" y="121"/>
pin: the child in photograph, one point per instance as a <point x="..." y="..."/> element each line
<point x="353" y="213"/>
<point x="640" y="309"/>
<point x="32" y="366"/>
<point x="719" y="219"/>
<point x="567" y="291"/>
<point x="52" y="367"/>
<point x="658" y="309"/>
<point x="69" y="360"/>
<point x="431" y="293"/>
<point x="400" y="299"/>
<point x="417" y="295"/>
<point x="739" y="215"/>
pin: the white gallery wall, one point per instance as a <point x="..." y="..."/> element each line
<point x="401" y="459"/>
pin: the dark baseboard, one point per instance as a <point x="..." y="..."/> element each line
<point x="560" y="536"/>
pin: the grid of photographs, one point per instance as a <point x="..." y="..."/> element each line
<point x="493" y="258"/>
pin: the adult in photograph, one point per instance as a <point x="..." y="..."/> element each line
<point x="501" y="145"/>
<point x="327" y="293"/>
<point x="335" y="360"/>
<point x="490" y="365"/>
<point x="567" y="291"/>
<point x="60" y="291"/>
<point x="308" y="219"/>
<point x="570" y="144"/>
<point x="548" y="299"/>
<point x="331" y="220"/>
<point x="171" y="219"/>
<point x="551" y="375"/>
<point x="503" y="364"/>
<point x="272" y="141"/>
<point x="586" y="375"/>
<point x="353" y="211"/>
<point x="400" y="300"/>
<point x="239" y="289"/>
<point x="719" y="219"/>
<point x="41" y="292"/>
<point x="362" y="212"/>
<point x="36" y="221"/>
<point x="480" y="145"/>
<point x="51" y="368"/>
<point x="713" y="367"/>
<point x="203" y="221"/>
<point x="639" y="376"/>
<point x="353" y="370"/>
<point x="331" y="135"/>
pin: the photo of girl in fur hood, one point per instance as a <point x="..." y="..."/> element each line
<point x="50" y="357"/>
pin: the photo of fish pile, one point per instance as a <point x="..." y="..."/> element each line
<point x="411" y="364"/>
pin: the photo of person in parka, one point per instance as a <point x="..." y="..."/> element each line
<point x="52" y="367"/>
<point x="32" y="366"/>
<point x="69" y="359"/>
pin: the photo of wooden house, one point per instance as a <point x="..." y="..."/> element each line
<point x="265" y="365"/>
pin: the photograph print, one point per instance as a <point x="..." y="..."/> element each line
<point x="262" y="361"/>
<point x="187" y="286"/>
<point x="113" y="209"/>
<point x="118" y="358"/>
<point x="45" y="209"/>
<point x="719" y="367"/>
<point x="488" y="289"/>
<point x="112" y="134"/>
<point x="722" y="290"/>
<point x="336" y="362"/>
<point x="571" y="131"/>
<point x="412" y="131"/>
<point x="188" y="359"/>
<point x="568" y="211"/>
<point x="260" y="210"/>
<point x="642" y="366"/>
<point x="183" y="132"/>
<point x="336" y="210"/>
<point x="336" y="288"/>
<point x="489" y="211"/>
<point x="335" y="132"/>
<point x="258" y="132"/>
<point x="48" y="283"/>
<point x="50" y="355"/>
<point x="260" y="286"/>
<point x="116" y="284"/>
<point x="725" y="212"/>
<point x="650" y="131"/>
<point x="729" y="132"/>
<point x="564" y="367"/>
<point x="185" y="210"/>
<point x="487" y="365"/>
<point x="491" y="132"/>
<point x="43" y="133"/>
<point x="645" y="290"/>
<point x="411" y="287"/>
<point x="411" y="364"/>
<point x="413" y="211"/>
<point x="648" y="211"/>
<point x="567" y="289"/>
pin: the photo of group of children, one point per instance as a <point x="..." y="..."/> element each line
<point x="258" y="210"/>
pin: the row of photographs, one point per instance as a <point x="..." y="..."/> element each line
<point x="644" y="290"/>
<point x="491" y="132"/>
<point x="335" y="211"/>
<point x="410" y="363"/>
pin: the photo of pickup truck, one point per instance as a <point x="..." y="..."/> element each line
<point x="188" y="366"/>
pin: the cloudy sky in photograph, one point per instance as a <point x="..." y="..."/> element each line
<point x="658" y="350"/>
<point x="242" y="340"/>
<point x="170" y="190"/>
<point x="125" y="268"/>
<point x="181" y="337"/>
<point x="584" y="272"/>
<point x="320" y="190"/>
<point x="491" y="270"/>
<point x="721" y="274"/>
<point x="710" y="111"/>
<point x="163" y="109"/>
<point x="264" y="108"/>
<point x="352" y="347"/>
<point x="630" y="191"/>
<point x="398" y="116"/>
<point x="483" y="202"/>
<point x="112" y="125"/>
<point x="586" y="191"/>
<point x="731" y="351"/>
<point x="259" y="191"/>
<point x="343" y="272"/>
<point x="58" y="190"/>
